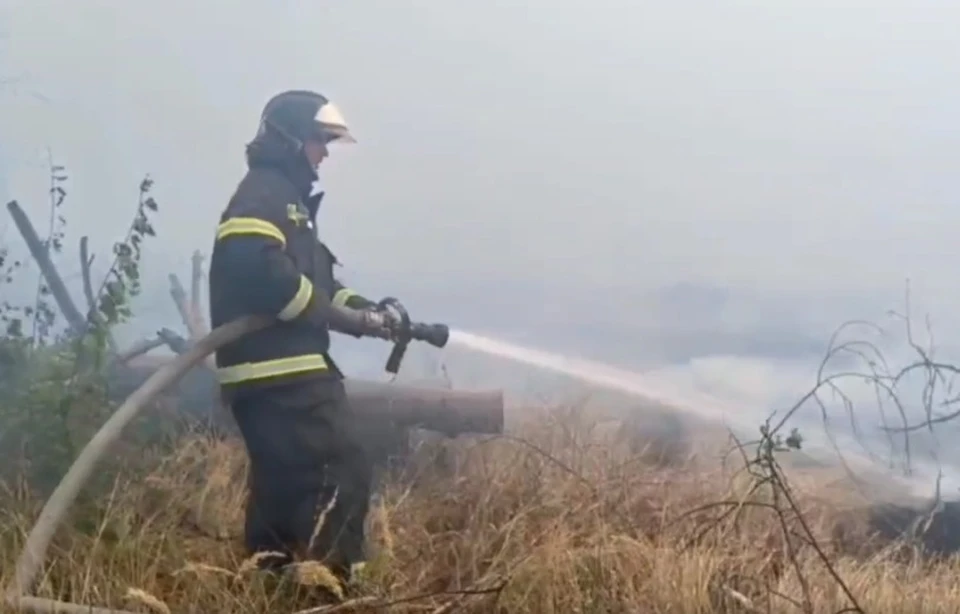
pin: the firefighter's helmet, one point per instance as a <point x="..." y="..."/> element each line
<point x="302" y="115"/>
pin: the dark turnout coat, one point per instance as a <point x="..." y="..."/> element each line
<point x="267" y="259"/>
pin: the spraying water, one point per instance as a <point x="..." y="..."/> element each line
<point x="737" y="417"/>
<point x="607" y="376"/>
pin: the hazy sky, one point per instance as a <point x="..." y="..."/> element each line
<point x="806" y="150"/>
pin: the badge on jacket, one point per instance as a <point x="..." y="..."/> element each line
<point x="297" y="215"/>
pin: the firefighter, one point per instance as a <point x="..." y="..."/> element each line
<point x="310" y="477"/>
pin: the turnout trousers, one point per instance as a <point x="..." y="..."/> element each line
<point x="310" y="478"/>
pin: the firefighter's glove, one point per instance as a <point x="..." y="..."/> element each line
<point x="391" y="322"/>
<point x="381" y="324"/>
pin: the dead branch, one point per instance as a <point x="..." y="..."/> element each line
<point x="58" y="289"/>
<point x="179" y="296"/>
<point x="886" y="384"/>
<point x="925" y="529"/>
<point x="375" y="603"/>
<point x="85" y="261"/>
<point x="175" y="342"/>
<point x="196" y="279"/>
<point x="137" y="349"/>
<point x="39" y="605"/>
<point x="771" y="493"/>
<point x="93" y="315"/>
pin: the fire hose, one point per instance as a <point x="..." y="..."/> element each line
<point x="55" y="509"/>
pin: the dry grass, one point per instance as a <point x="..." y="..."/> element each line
<point x="558" y="519"/>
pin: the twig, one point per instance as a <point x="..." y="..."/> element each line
<point x="93" y="314"/>
<point x="138" y="349"/>
<point x="770" y="472"/>
<point x="85" y="261"/>
<point x="196" y="279"/>
<point x="740" y="598"/>
<point x="175" y="342"/>
<point x="179" y="296"/>
<point x="375" y="603"/>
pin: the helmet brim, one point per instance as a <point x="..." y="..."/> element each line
<point x="329" y="134"/>
<point x="331" y="125"/>
<point x="337" y="134"/>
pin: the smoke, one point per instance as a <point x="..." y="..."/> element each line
<point x="735" y="391"/>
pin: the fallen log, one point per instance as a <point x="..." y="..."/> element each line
<point x="451" y="412"/>
<point x="387" y="413"/>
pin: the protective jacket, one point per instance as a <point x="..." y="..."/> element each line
<point x="267" y="259"/>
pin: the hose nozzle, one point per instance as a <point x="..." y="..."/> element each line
<point x="436" y="335"/>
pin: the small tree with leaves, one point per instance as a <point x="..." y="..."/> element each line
<point x="64" y="398"/>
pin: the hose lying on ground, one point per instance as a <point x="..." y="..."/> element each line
<point x="54" y="510"/>
<point x="38" y="541"/>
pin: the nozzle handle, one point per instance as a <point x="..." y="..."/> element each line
<point x="395" y="358"/>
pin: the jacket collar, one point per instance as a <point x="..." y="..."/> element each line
<point x="312" y="203"/>
<point x="270" y="152"/>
